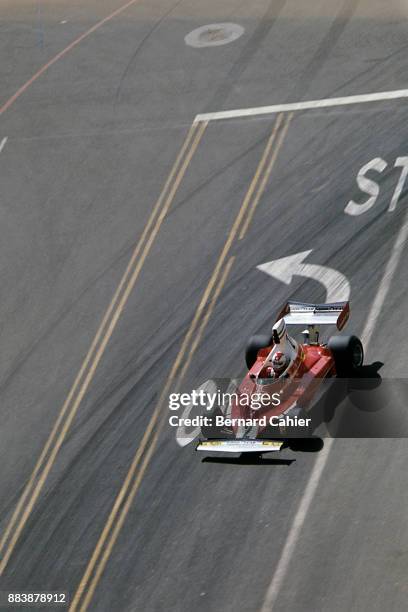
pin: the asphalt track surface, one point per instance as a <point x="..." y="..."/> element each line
<point x="90" y="146"/>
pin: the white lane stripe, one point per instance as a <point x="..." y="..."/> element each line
<point x="286" y="556"/>
<point x="312" y="484"/>
<point x="392" y="264"/>
<point x="307" y="105"/>
<point x="3" y="143"/>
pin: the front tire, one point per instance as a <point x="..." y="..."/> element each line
<point x="255" y="344"/>
<point x="348" y="354"/>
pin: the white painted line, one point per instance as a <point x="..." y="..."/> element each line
<point x="296" y="528"/>
<point x="384" y="288"/>
<point x="312" y="484"/>
<point x="307" y="105"/>
<point x="3" y="143"/>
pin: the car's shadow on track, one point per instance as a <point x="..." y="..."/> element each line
<point x="314" y="444"/>
<point x="248" y="459"/>
<point x="367" y="377"/>
<point x="366" y="380"/>
<point x="363" y="406"/>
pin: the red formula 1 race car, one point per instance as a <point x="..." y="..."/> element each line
<point x="284" y="380"/>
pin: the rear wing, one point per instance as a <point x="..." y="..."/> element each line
<point x="302" y="313"/>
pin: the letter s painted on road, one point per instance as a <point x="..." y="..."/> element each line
<point x="368" y="186"/>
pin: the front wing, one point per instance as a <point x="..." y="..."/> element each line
<point x="239" y="446"/>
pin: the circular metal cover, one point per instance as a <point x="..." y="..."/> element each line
<point x="214" y="34"/>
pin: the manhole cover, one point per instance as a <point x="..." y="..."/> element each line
<point x="214" y="34"/>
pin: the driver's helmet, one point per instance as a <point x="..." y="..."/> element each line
<point x="279" y="363"/>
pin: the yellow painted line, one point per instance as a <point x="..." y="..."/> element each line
<point x="261" y="166"/>
<point x="133" y="490"/>
<point x="204" y="322"/>
<point x="266" y="176"/>
<point x="95" y="341"/>
<point x="128" y="491"/>
<point x="136" y="460"/>
<point x="110" y="319"/>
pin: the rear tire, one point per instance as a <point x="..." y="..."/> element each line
<point x="255" y="344"/>
<point x="348" y="354"/>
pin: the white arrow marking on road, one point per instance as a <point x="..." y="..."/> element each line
<point x="284" y="269"/>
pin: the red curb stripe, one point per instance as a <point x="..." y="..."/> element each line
<point x="61" y="54"/>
